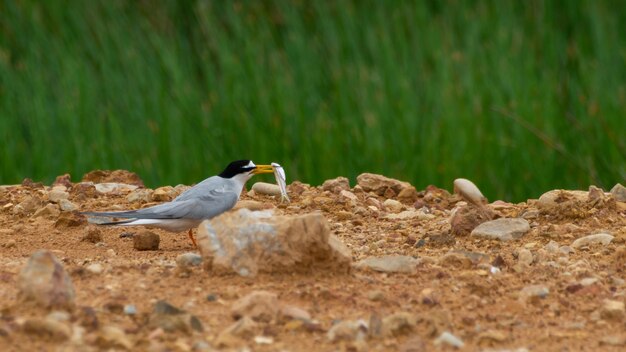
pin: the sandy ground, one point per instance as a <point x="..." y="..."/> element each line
<point x="478" y="294"/>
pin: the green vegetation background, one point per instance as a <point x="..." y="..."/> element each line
<point x="518" y="96"/>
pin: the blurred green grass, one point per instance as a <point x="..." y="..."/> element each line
<point x="518" y="96"/>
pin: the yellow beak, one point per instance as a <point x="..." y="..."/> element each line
<point x="263" y="169"/>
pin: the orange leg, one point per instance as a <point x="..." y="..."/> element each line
<point x="193" y="240"/>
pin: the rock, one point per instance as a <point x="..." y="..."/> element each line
<point x="112" y="337"/>
<point x="248" y="242"/>
<point x="468" y="190"/>
<point x="146" y="241"/>
<point x="63" y="180"/>
<point x="258" y="305"/>
<point x="232" y="336"/>
<point x="336" y="185"/>
<point x="598" y="238"/>
<point x="533" y="293"/>
<point x="410" y="214"/>
<point x="524" y="257"/>
<point x="130" y="309"/>
<point x="70" y="219"/>
<point x="376" y="295"/>
<point x="348" y="330"/>
<point x="268" y="189"/>
<point x="95" y="268"/>
<point x="408" y="195"/>
<point x="448" y="339"/>
<point x="115" y="176"/>
<point x="389" y="264"/>
<point x="163" y="194"/>
<point x="380" y="184"/>
<point x="619" y="193"/>
<point x="44" y="281"/>
<point x="92" y="235"/>
<point x="466" y="218"/>
<point x="56" y="195"/>
<point x="187" y="260"/>
<point x="28" y="206"/>
<point x="612" y="310"/>
<point x="348" y="196"/>
<point x="502" y="229"/>
<point x="491" y="336"/>
<point x="293" y="312"/>
<point x="66" y="205"/>
<point x="344" y="215"/>
<point x="456" y="260"/>
<point x="393" y="206"/>
<point x="554" y="198"/>
<point x="398" y="324"/>
<point x="47" y="327"/>
<point x="114" y="188"/>
<point x="49" y="211"/>
<point x="11" y="243"/>
<point x="173" y="319"/>
<point x="140" y="195"/>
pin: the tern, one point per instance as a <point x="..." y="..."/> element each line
<point x="207" y="199"/>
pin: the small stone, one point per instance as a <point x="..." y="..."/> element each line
<point x="598" y="238"/>
<point x="491" y="336"/>
<point x="502" y="229"/>
<point x="232" y="336"/>
<point x="554" y="198"/>
<point x="410" y="214"/>
<point x="376" y="295"/>
<point x="140" y="195"/>
<point x="524" y="257"/>
<point x="95" y="268"/>
<point x="112" y="337"/>
<point x="389" y="264"/>
<point x="466" y="218"/>
<point x="393" y="206"/>
<point x="66" y="205"/>
<point x="344" y="215"/>
<point x="468" y="190"/>
<point x="293" y="312"/>
<point x="380" y="184"/>
<point x="112" y="187"/>
<point x="70" y="219"/>
<point x="49" y="211"/>
<point x="619" y="193"/>
<point x="336" y="185"/>
<point x="408" y="195"/>
<point x="612" y="310"/>
<point x="146" y="241"/>
<point x="449" y="339"/>
<point x="268" y="189"/>
<point x="163" y="194"/>
<point x="551" y="247"/>
<point x="263" y="340"/>
<point x="347" y="330"/>
<point x="130" y="309"/>
<point x="64" y="180"/>
<point x="44" y="281"/>
<point x="172" y="319"/>
<point x="92" y="235"/>
<point x="56" y="195"/>
<point x="348" y="196"/>
<point x="533" y="293"/>
<point x="187" y="260"/>
<point x="29" y="205"/>
<point x="258" y="305"/>
<point x="49" y="327"/>
<point x="11" y="243"/>
<point x="398" y="324"/>
<point x="211" y="297"/>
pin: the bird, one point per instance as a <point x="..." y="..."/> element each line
<point x="207" y="199"/>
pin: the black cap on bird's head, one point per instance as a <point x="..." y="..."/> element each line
<point x="245" y="167"/>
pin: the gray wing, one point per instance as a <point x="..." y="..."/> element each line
<point x="206" y="206"/>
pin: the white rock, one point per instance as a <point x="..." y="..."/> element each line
<point x="66" y="205"/>
<point x="598" y="238"/>
<point x="619" y="193"/>
<point x="502" y="229"/>
<point x="468" y="190"/>
<point x="55" y="195"/>
<point x="109" y="187"/>
<point x="393" y="205"/>
<point x="95" y="268"/>
<point x="268" y="189"/>
<point x="449" y="339"/>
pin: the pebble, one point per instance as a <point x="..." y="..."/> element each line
<point x="70" y="219"/>
<point x="163" y="194"/>
<point x="468" y="190"/>
<point x="140" y="195"/>
<point x="553" y="198"/>
<point x="113" y="337"/>
<point x="146" y="241"/>
<point x="95" y="268"/>
<point x="92" y="235"/>
<point x="389" y="264"/>
<point x="524" y="257"/>
<point x="293" y="312"/>
<point x="449" y="339"/>
<point x="257" y="305"/>
<point x="502" y="229"/>
<point x="348" y="330"/>
<point x="187" y="260"/>
<point x="376" y="295"/>
<point x="268" y="189"/>
<point x="619" y="193"/>
<point x="380" y="184"/>
<point x="130" y="309"/>
<point x="336" y="185"/>
<point x="111" y="187"/>
<point x="534" y="292"/>
<point x="612" y="310"/>
<point x="393" y="206"/>
<point x="408" y="195"/>
<point x="347" y="195"/>
<point x="49" y="211"/>
<point x="66" y="205"/>
<point x="398" y="324"/>
<point x="55" y="329"/>
<point x="551" y="247"/>
<point x="56" y="195"/>
<point x="44" y="281"/>
<point x="598" y="238"/>
<point x="171" y="319"/>
<point x="242" y="328"/>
